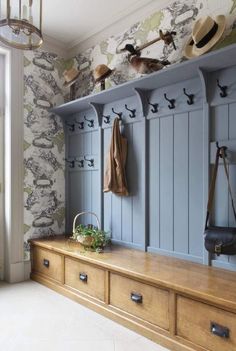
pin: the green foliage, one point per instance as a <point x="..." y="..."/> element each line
<point x="99" y="237"/>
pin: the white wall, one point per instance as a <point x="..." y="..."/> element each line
<point x="1" y="163"/>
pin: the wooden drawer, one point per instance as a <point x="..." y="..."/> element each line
<point x="194" y="323"/>
<point x="85" y="278"/>
<point x="48" y="263"/>
<point x="152" y="304"/>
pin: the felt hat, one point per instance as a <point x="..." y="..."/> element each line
<point x="70" y="76"/>
<point x="205" y="34"/>
<point x="101" y="72"/>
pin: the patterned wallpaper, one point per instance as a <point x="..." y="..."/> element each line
<point x="44" y="182"/>
<point x="44" y="140"/>
<point x="178" y="17"/>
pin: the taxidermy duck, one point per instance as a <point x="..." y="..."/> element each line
<point x="145" y="65"/>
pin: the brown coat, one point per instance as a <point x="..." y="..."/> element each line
<point x="115" y="177"/>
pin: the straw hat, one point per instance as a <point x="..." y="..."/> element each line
<point x="101" y="72"/>
<point x="205" y="34"/>
<point x="70" y="76"/>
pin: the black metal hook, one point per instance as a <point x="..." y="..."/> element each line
<point x="154" y="108"/>
<point x="190" y="100"/>
<point x="91" y="122"/>
<point x="133" y="112"/>
<point x="106" y="119"/>
<point x="81" y="163"/>
<point x="71" y="126"/>
<point x="223" y="89"/>
<point x="221" y="148"/>
<point x="71" y="163"/>
<point x="171" y="102"/>
<point x="90" y="161"/>
<point x="81" y="124"/>
<point x="119" y="114"/>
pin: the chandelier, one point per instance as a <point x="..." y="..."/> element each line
<point x="21" y="23"/>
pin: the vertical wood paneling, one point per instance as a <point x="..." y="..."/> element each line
<point x="219" y="123"/>
<point x="166" y="183"/>
<point x="181" y="183"/>
<point x="154" y="182"/>
<point x="107" y="196"/>
<point x="220" y="215"/>
<point x="195" y="183"/>
<point x="138" y="183"/>
<point x="116" y="217"/>
<point x="232" y="169"/>
<point x="75" y="189"/>
<point x="127" y="201"/>
<point x="95" y="192"/>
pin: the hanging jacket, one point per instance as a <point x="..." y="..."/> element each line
<point x="115" y="177"/>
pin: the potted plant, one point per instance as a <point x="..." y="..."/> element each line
<point x="89" y="235"/>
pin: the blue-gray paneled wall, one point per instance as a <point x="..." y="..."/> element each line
<point x="169" y="154"/>
<point x="176" y="184"/>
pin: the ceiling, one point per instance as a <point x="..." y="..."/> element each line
<point x="73" y="21"/>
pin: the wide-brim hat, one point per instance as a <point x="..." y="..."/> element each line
<point x="101" y="72"/>
<point x="70" y="76"/>
<point x="205" y="34"/>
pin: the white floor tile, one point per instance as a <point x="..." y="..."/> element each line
<point x="35" y="318"/>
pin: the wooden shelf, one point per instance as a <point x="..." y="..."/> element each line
<point x="210" y="62"/>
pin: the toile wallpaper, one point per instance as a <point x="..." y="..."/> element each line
<point x="177" y="17"/>
<point x="44" y="139"/>
<point x="44" y="193"/>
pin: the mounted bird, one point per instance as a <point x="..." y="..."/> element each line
<point x="145" y="65"/>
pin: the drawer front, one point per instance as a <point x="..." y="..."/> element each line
<point x="48" y="263"/>
<point x="85" y="278"/>
<point x="205" y="325"/>
<point x="141" y="300"/>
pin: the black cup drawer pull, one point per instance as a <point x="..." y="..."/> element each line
<point x="46" y="263"/>
<point x="83" y="277"/>
<point x="136" y="298"/>
<point x="219" y="330"/>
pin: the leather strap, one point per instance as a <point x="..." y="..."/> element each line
<point x="219" y="153"/>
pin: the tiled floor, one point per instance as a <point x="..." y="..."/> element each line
<point x="34" y="318"/>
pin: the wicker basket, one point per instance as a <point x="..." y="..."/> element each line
<point x="86" y="241"/>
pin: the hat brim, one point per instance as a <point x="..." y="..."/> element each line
<point x="191" y="50"/>
<point x="104" y="76"/>
<point x="68" y="84"/>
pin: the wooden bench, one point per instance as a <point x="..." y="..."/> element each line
<point x="181" y="305"/>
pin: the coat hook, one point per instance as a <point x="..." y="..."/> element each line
<point x="90" y="161"/>
<point x="221" y="148"/>
<point x="171" y="102"/>
<point x="71" y="126"/>
<point x="190" y="100"/>
<point x="106" y="119"/>
<point x="71" y="163"/>
<point x="91" y="122"/>
<point x="133" y="112"/>
<point x="119" y="114"/>
<point x="81" y="163"/>
<point x="154" y="108"/>
<point x="223" y="89"/>
<point x="81" y="124"/>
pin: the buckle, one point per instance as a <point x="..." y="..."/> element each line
<point x="218" y="248"/>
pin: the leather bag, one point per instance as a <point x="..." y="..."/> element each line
<point x="220" y="240"/>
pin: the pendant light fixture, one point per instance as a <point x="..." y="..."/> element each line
<point x="21" y="23"/>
